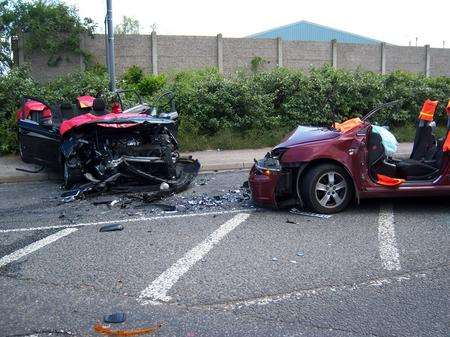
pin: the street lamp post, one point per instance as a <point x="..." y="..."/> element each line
<point x="110" y="57"/>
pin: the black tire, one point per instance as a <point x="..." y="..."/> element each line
<point x="326" y="188"/>
<point x="22" y="155"/>
<point x="71" y="175"/>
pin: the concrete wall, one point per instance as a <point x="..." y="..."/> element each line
<point x="171" y="53"/>
<point x="238" y="53"/>
<point x="304" y="55"/>
<point x="186" y="52"/>
<point x="352" y="56"/>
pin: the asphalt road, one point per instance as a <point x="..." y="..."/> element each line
<point x="218" y="266"/>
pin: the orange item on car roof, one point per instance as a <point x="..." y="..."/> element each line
<point x="428" y="110"/>
<point x="388" y="181"/>
<point x="348" y="125"/>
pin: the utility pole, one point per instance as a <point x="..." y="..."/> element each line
<point x="110" y="46"/>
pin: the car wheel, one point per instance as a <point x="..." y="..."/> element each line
<point x="71" y="175"/>
<point x="326" y="188"/>
<point x="22" y="155"/>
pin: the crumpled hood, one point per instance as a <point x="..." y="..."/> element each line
<point x="307" y="134"/>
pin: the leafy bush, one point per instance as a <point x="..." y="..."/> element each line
<point x="234" y="111"/>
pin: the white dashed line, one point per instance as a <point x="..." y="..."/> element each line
<point x="386" y="238"/>
<point x="87" y="224"/>
<point x="35" y="246"/>
<point x="156" y="292"/>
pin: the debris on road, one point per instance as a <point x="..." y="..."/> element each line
<point x="290" y="221"/>
<point x="118" y="317"/>
<point x="274" y="259"/>
<point x="111" y="227"/>
<point x="317" y="215"/>
<point x="300" y="253"/>
<point x="105" y="330"/>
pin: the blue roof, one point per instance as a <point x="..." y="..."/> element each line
<point x="308" y="31"/>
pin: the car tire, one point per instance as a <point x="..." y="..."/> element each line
<point x="71" y="175"/>
<point x="22" y="155"/>
<point x="326" y="188"/>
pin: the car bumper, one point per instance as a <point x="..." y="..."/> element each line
<point x="263" y="186"/>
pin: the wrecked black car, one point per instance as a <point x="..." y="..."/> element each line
<point x="97" y="146"/>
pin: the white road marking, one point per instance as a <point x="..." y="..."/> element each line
<point x="188" y="215"/>
<point x="326" y="290"/>
<point x="386" y="238"/>
<point x="156" y="292"/>
<point x="35" y="246"/>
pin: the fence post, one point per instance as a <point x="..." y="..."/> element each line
<point x="154" y="54"/>
<point x="334" y="53"/>
<point x="427" y="60"/>
<point x="383" y="57"/>
<point x="220" y="53"/>
<point x="279" y="52"/>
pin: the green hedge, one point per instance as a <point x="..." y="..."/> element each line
<point x="256" y="103"/>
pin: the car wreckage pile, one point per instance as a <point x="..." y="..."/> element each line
<point x="100" y="150"/>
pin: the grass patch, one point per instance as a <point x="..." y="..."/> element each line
<point x="408" y="132"/>
<point x="232" y="140"/>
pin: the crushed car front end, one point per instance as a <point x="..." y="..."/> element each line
<point x="125" y="148"/>
<point x="270" y="182"/>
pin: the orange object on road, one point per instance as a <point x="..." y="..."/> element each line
<point x="348" y="125"/>
<point x="388" y="181"/>
<point x="428" y="110"/>
<point x="104" y="330"/>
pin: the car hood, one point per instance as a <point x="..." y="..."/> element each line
<point x="307" y="134"/>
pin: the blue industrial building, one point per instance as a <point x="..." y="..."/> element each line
<point x="308" y="31"/>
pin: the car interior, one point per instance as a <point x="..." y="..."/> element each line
<point x="425" y="161"/>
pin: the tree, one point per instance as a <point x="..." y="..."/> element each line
<point x="51" y="27"/>
<point x="129" y="25"/>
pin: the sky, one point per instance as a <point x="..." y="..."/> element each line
<point x="393" y="21"/>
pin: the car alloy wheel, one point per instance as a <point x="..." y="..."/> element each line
<point x="331" y="189"/>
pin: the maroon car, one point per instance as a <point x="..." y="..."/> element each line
<point x="325" y="168"/>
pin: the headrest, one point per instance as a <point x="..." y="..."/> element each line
<point x="428" y="110"/>
<point x="99" y="104"/>
<point x="66" y="106"/>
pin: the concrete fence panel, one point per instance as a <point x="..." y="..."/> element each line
<point x="439" y="62"/>
<point x="305" y="55"/>
<point x="364" y="56"/>
<point x="238" y="53"/>
<point x="412" y="59"/>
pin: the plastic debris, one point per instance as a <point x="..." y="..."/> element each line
<point x="114" y="202"/>
<point x="293" y="261"/>
<point x="111" y="227"/>
<point x="317" y="215"/>
<point x="274" y="259"/>
<point x="164" y="186"/>
<point x="300" y="253"/>
<point x="118" y="317"/>
<point x="104" y="330"/>
<point x="290" y="221"/>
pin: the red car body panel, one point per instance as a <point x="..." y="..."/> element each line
<point x="89" y="118"/>
<point x="306" y="146"/>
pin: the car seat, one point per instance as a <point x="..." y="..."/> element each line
<point x="99" y="107"/>
<point x="424" y="141"/>
<point x="66" y="111"/>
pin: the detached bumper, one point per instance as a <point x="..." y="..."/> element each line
<point x="263" y="186"/>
